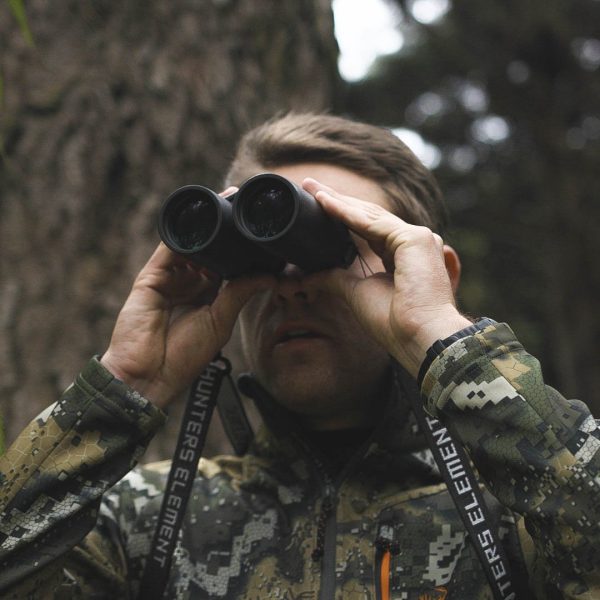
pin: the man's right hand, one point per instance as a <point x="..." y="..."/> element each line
<point x="175" y="320"/>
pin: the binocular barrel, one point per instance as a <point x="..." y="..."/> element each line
<point x="269" y="222"/>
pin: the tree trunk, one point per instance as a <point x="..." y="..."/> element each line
<point x="115" y="106"/>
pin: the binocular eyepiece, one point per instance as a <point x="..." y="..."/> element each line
<point x="267" y="223"/>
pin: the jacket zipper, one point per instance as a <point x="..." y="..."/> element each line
<point x="325" y="542"/>
<point x="328" y="514"/>
<point x="325" y="547"/>
<point x="327" y="507"/>
<point x="327" y="526"/>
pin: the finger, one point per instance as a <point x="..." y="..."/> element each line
<point x="163" y="258"/>
<point x="196" y="290"/>
<point x="369" y="220"/>
<point x="169" y="279"/>
<point x="352" y="211"/>
<point x="312" y="186"/>
<point x="201" y="332"/>
<point x="235" y="293"/>
<point x="385" y="232"/>
<point x="230" y="190"/>
<point x="198" y="269"/>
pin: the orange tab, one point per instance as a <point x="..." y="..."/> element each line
<point x="385" y="576"/>
<point x="439" y="593"/>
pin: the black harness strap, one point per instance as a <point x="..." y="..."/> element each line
<point x="234" y="419"/>
<point x="192" y="436"/>
<point x="453" y="463"/>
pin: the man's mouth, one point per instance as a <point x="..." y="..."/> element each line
<point x="291" y="333"/>
<point x="296" y="334"/>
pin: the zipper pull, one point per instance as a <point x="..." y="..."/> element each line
<point x="384" y="575"/>
<point x="386" y="546"/>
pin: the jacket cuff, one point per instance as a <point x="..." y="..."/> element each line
<point x="464" y="360"/>
<point x="117" y="398"/>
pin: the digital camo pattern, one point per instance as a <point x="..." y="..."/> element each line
<point x="253" y="523"/>
<point x="252" y="537"/>
<point x="537" y="452"/>
<point x="53" y="477"/>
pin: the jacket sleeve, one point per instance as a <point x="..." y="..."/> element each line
<point x="536" y="451"/>
<point x="52" y="480"/>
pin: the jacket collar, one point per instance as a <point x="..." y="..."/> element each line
<point x="396" y="432"/>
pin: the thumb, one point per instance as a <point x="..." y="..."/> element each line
<point x="235" y="293"/>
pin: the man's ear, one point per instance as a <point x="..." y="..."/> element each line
<point x="453" y="266"/>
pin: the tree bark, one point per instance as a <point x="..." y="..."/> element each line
<point x="115" y="106"/>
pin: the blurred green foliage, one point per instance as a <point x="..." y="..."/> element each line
<point x="17" y="8"/>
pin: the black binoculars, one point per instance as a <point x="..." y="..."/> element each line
<point x="267" y="223"/>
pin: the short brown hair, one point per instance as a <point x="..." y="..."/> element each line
<point x="373" y="152"/>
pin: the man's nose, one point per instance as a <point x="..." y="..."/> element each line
<point x="291" y="287"/>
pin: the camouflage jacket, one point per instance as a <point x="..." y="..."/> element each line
<point x="254" y="522"/>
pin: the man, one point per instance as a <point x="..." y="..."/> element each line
<point x="337" y="497"/>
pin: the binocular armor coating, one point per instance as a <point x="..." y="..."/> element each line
<point x="267" y="223"/>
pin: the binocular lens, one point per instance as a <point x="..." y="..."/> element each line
<point x="268" y="222"/>
<point x="193" y="221"/>
<point x="267" y="209"/>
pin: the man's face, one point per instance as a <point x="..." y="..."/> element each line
<point x="305" y="347"/>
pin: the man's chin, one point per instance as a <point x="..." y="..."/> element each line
<point x="321" y="392"/>
<point x="303" y="387"/>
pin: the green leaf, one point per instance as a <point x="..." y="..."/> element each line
<point x="18" y="10"/>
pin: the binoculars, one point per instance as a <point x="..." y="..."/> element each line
<point x="267" y="223"/>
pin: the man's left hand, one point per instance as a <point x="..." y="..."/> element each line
<point x="410" y="305"/>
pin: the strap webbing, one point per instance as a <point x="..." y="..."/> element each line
<point x="234" y="419"/>
<point x="455" y="467"/>
<point x="192" y="436"/>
